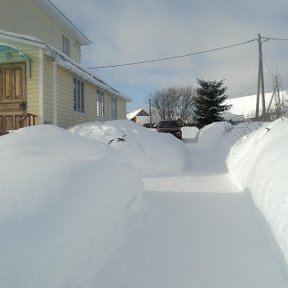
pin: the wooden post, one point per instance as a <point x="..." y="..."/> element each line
<point x="150" y="113"/>
<point x="260" y="84"/>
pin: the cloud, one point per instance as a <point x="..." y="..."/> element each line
<point x="128" y="30"/>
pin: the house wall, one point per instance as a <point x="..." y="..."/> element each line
<point x="107" y="106"/>
<point x="44" y="98"/>
<point x="25" y="17"/>
<point x="121" y="108"/>
<point x="65" y="102"/>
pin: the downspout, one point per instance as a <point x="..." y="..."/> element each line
<point x="41" y="87"/>
<point x="54" y="85"/>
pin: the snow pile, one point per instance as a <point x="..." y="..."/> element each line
<point x="214" y="144"/>
<point x="259" y="163"/>
<point x="149" y="152"/>
<point x="67" y="201"/>
<point x="189" y="132"/>
<point x="65" y="205"/>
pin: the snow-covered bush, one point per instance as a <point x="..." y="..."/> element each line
<point x="151" y="153"/>
<point x="65" y="206"/>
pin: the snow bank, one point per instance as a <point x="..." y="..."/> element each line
<point x="149" y="152"/>
<point x="259" y="163"/>
<point x="65" y="203"/>
<point x="214" y="144"/>
<point x="189" y="132"/>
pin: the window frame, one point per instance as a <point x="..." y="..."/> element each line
<point x="114" y="108"/>
<point x="100" y="103"/>
<point x="66" y="45"/>
<point x="78" y="91"/>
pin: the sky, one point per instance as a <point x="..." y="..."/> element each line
<point x="132" y="30"/>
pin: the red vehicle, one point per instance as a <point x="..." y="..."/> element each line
<point x="170" y="126"/>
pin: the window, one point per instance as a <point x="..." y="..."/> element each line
<point x="65" y="45"/>
<point x="114" y="108"/>
<point x="100" y="103"/>
<point x="78" y="95"/>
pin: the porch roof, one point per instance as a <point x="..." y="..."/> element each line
<point x="8" y="53"/>
<point x="8" y="50"/>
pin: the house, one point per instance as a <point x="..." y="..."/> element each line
<point x="139" y="116"/>
<point x="41" y="78"/>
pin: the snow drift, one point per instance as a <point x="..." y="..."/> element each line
<point x="149" y="152"/>
<point x="213" y="146"/>
<point x="259" y="163"/>
<point x="65" y="203"/>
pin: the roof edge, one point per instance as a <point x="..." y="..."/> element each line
<point x="61" y="18"/>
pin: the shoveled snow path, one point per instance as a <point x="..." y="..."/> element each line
<point x="197" y="239"/>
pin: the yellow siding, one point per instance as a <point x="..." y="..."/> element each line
<point x="65" y="104"/>
<point x="31" y="20"/>
<point x="107" y="106"/>
<point x="90" y="102"/>
<point x="121" y="109"/>
<point x="74" y="45"/>
<point x="25" y="17"/>
<point x="7" y="15"/>
<point x="64" y="98"/>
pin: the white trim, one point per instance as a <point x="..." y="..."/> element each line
<point x="81" y="73"/>
<point x="41" y="87"/>
<point x="24" y="39"/>
<point x="55" y="102"/>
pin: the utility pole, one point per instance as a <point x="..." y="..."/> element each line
<point x="278" y="106"/>
<point x="260" y="84"/>
<point x="150" y="110"/>
<point x="277" y="92"/>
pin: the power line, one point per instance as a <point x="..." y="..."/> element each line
<point x="174" y="57"/>
<point x="242" y="91"/>
<point x="273" y="38"/>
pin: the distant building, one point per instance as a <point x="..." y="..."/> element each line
<point x="139" y="116"/>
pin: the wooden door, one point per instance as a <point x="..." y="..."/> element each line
<point x="12" y="95"/>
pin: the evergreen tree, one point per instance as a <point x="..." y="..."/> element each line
<point x="208" y="102"/>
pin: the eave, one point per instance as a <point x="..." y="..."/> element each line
<point x="63" y="20"/>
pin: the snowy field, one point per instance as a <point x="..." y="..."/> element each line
<point x="117" y="205"/>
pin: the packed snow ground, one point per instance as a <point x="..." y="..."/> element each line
<point x="145" y="210"/>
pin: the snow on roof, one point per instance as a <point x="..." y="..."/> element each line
<point x="75" y="68"/>
<point x="31" y="40"/>
<point x="138" y="112"/>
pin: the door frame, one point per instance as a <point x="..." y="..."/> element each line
<point x="12" y="109"/>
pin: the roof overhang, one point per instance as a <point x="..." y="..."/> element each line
<point x="10" y="54"/>
<point x="10" y="51"/>
<point x="63" y="20"/>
